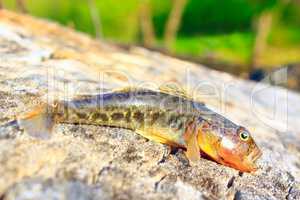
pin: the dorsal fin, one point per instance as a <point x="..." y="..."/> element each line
<point x="167" y="89"/>
<point x="172" y="89"/>
<point x="126" y="89"/>
<point x="175" y="89"/>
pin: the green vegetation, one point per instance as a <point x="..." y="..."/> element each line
<point x="223" y="30"/>
<point x="230" y="47"/>
<point x="119" y="20"/>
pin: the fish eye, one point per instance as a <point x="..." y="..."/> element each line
<point x="244" y="135"/>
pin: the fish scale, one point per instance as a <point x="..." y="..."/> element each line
<point x="138" y="109"/>
<point x="141" y="110"/>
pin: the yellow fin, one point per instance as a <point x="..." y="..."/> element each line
<point x="192" y="146"/>
<point x="157" y="137"/>
<point x="208" y="143"/>
<point x="193" y="150"/>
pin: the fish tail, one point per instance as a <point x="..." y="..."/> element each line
<point x="37" y="123"/>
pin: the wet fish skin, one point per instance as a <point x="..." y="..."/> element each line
<point x="163" y="117"/>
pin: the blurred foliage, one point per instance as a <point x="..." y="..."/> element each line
<point x="223" y="30"/>
<point x="233" y="47"/>
<point x="119" y="20"/>
<point x="207" y="16"/>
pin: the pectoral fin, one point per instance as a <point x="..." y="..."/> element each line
<point x="192" y="147"/>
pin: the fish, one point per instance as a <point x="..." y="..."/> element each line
<point x="170" y="118"/>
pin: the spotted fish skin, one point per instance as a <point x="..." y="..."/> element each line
<point x="139" y="109"/>
<point x="163" y="117"/>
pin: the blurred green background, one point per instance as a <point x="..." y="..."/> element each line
<point x="238" y="36"/>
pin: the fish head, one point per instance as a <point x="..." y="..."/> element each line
<point x="230" y="145"/>
<point x="238" y="149"/>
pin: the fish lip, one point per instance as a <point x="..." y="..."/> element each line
<point x="253" y="157"/>
<point x="250" y="163"/>
<point x="256" y="155"/>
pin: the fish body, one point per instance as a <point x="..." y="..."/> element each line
<point x="139" y="110"/>
<point x="166" y="118"/>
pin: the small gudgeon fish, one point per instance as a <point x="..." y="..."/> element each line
<point x="171" y="119"/>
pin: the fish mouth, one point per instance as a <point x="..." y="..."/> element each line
<point x="253" y="157"/>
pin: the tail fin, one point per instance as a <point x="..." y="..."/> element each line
<point x="37" y="123"/>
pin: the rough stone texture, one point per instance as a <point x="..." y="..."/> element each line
<point x="40" y="60"/>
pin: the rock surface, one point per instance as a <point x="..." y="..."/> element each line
<point x="40" y="60"/>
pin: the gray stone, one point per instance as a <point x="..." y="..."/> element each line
<point x="41" y="61"/>
<point x="54" y="190"/>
